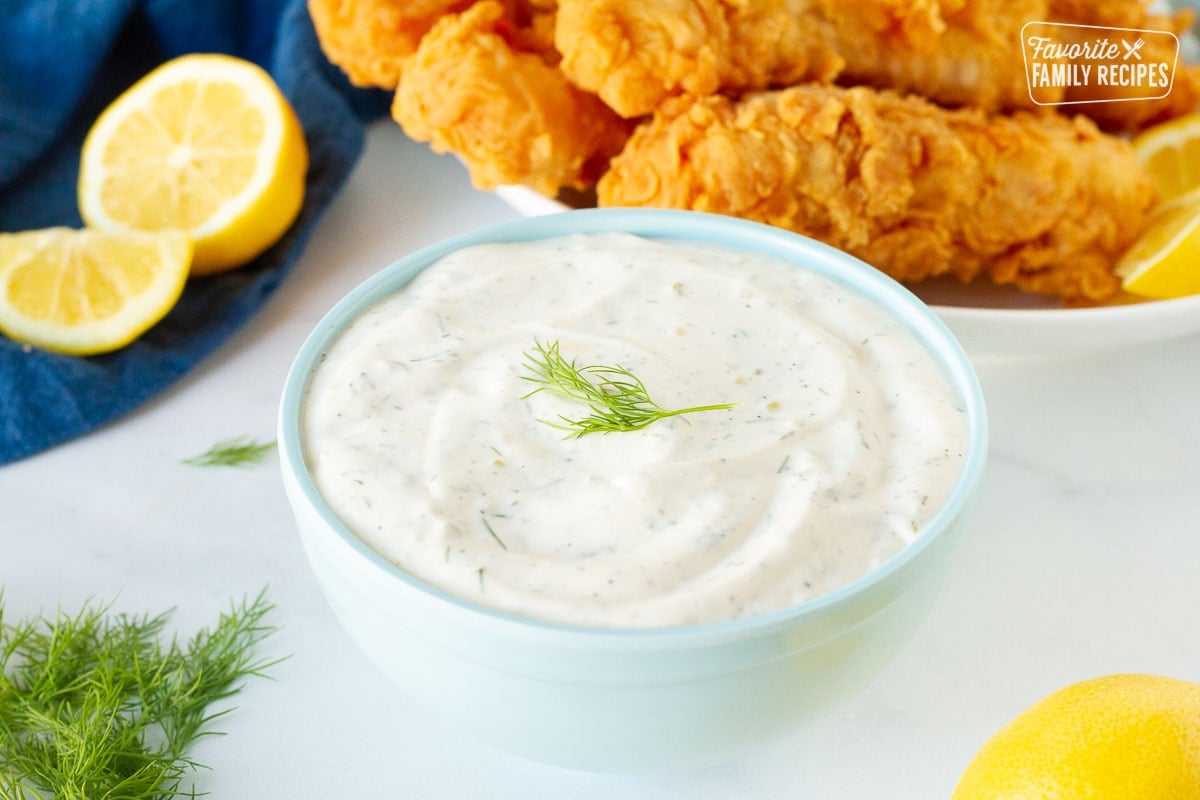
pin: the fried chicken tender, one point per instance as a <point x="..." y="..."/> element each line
<point x="368" y="39"/>
<point x="483" y="88"/>
<point x="1041" y="201"/>
<point x="635" y="55"/>
<point x="955" y="52"/>
<point x="1183" y="96"/>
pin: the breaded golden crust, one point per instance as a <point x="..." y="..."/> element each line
<point x="959" y="53"/>
<point x="1041" y="201"/>
<point x="369" y="39"/>
<point x="479" y="87"/>
<point x="1127" y="115"/>
<point x="955" y="52"/>
<point x="634" y="54"/>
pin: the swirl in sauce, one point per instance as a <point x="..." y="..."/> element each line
<point x="846" y="438"/>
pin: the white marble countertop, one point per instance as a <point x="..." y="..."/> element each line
<point x="1082" y="558"/>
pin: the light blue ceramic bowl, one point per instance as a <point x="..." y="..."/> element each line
<point x="629" y="700"/>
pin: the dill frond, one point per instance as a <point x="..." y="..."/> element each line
<point x="97" y="705"/>
<point x="232" y="453"/>
<point x="616" y="398"/>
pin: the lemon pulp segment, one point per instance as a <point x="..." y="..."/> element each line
<point x="87" y="292"/>
<point x="206" y="144"/>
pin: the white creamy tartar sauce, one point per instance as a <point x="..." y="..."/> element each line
<point x="419" y="433"/>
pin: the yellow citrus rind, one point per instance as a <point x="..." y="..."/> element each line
<point x="1164" y="262"/>
<point x="85" y="292"/>
<point x="206" y="144"/>
<point x="1119" y="737"/>
<point x="1170" y="154"/>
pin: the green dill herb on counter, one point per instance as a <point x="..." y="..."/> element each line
<point x="98" y="705"/>
<point x="232" y="453"/>
<point x="617" y="398"/>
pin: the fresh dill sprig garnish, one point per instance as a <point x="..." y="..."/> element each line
<point x="96" y="705"/>
<point x="232" y="453"/>
<point x="617" y="399"/>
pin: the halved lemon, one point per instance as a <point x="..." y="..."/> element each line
<point x="85" y="292"/>
<point x="1165" y="261"/>
<point x="206" y="144"/>
<point x="1170" y="154"/>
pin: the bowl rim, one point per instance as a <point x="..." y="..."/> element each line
<point x="691" y="226"/>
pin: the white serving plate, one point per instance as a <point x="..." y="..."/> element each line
<point x="1002" y="321"/>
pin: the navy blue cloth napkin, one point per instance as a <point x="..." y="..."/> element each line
<point x="61" y="63"/>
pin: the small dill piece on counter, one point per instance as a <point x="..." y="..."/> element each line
<point x="97" y="705"/>
<point x="617" y="399"/>
<point x="232" y="453"/>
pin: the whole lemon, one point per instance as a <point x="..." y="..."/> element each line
<point x="1119" y="737"/>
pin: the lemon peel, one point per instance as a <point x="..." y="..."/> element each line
<point x="85" y="292"/>
<point x="1164" y="262"/>
<point x="1118" y="737"/>
<point x="206" y="144"/>
<point x="1170" y="154"/>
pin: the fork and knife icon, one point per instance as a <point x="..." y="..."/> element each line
<point x="1131" y="49"/>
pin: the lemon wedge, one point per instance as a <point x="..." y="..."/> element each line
<point x="85" y="292"/>
<point x="1165" y="260"/>
<point x="205" y="144"/>
<point x="1170" y="154"/>
<point x="1113" y="738"/>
